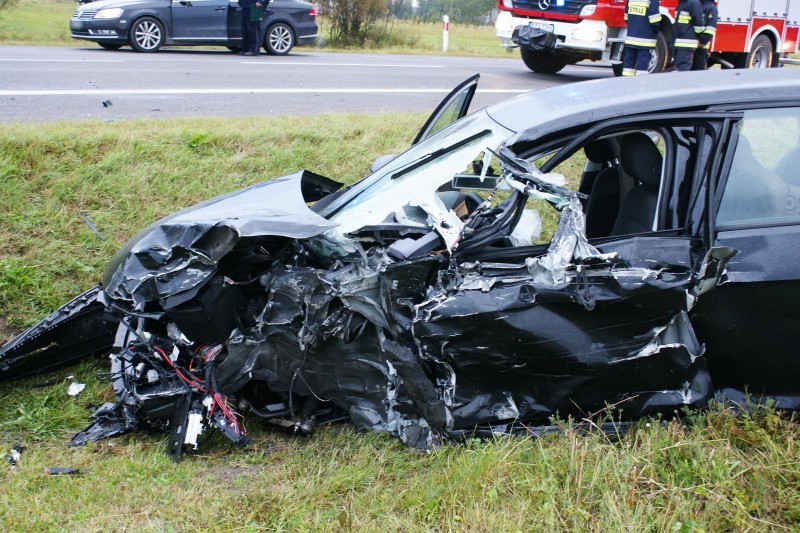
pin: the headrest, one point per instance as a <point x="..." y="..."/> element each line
<point x="640" y="158"/>
<point x="599" y="151"/>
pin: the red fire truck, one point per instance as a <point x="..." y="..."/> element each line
<point x="750" y="33"/>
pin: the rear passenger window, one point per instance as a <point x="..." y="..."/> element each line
<point x="763" y="184"/>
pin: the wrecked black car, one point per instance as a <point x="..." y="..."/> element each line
<point x="425" y="301"/>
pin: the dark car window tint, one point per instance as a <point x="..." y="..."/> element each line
<point x="763" y="184"/>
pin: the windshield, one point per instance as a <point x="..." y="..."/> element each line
<point x="415" y="176"/>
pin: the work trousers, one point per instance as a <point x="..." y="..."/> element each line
<point x="683" y="59"/>
<point x="635" y="61"/>
<point x="251" y="40"/>
<point x="700" y="61"/>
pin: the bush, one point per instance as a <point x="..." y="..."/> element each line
<point x="352" y="20"/>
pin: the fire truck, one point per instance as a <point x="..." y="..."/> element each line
<point x="750" y="33"/>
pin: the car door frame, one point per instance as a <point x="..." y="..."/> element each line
<point x="213" y="17"/>
<point x="749" y="321"/>
<point x="460" y="96"/>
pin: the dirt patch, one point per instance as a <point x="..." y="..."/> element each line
<point x="7" y="331"/>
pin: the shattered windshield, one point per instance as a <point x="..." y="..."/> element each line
<point x="415" y="176"/>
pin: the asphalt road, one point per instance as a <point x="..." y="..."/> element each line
<point x="40" y="84"/>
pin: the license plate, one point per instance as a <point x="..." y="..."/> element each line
<point x="541" y="26"/>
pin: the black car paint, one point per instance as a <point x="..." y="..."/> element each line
<point x="217" y="23"/>
<point x="647" y="323"/>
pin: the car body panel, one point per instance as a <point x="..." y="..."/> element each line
<point x="401" y="306"/>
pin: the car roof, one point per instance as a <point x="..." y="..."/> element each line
<point x="558" y="108"/>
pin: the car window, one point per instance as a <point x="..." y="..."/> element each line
<point x="763" y="184"/>
<point x="595" y="170"/>
<point x="393" y="194"/>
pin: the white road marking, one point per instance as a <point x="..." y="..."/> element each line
<point x="62" y="60"/>
<point x="107" y="92"/>
<point x="304" y="63"/>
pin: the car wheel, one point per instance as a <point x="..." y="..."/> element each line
<point x="543" y="62"/>
<point x="146" y="35"/>
<point x="110" y="46"/>
<point x="279" y="39"/>
<point x="760" y="55"/>
<point x="658" y="57"/>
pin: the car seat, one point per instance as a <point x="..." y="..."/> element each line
<point x="641" y="160"/>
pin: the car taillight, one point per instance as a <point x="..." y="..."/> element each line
<point x="313" y="12"/>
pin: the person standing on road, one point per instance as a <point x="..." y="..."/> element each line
<point x="644" y="22"/>
<point x="252" y="13"/>
<point x="710" y="16"/>
<point x="688" y="27"/>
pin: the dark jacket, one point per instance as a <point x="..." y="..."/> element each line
<point x="688" y="24"/>
<point x="643" y="21"/>
<point x="710" y="16"/>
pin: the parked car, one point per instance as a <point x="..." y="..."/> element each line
<point x="422" y="301"/>
<point x="147" y="25"/>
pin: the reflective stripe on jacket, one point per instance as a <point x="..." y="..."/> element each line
<point x="644" y="21"/>
<point x="688" y="24"/>
<point x="710" y="16"/>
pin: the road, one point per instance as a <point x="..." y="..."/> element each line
<point x="66" y="83"/>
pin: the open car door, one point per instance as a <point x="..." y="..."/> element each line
<point x="453" y="107"/>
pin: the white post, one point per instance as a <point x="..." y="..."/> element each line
<point x="445" y="30"/>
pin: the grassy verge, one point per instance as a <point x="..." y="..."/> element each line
<point x="708" y="472"/>
<point x="46" y="22"/>
<point x="712" y="472"/>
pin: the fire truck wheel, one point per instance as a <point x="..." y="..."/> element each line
<point x="658" y="61"/>
<point x="543" y="62"/>
<point x="760" y="55"/>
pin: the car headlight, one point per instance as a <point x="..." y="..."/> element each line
<point x="111" y="13"/>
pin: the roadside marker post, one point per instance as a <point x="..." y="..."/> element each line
<point x="445" y="31"/>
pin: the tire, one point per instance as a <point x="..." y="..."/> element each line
<point x="110" y="46"/>
<point x="659" y="56"/>
<point x="279" y="39"/>
<point x="760" y="55"/>
<point x="146" y="35"/>
<point x="543" y="62"/>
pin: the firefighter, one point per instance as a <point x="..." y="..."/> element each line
<point x="643" y="21"/>
<point x="710" y="16"/>
<point x="688" y="27"/>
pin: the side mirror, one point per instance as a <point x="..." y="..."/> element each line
<point x="381" y="162"/>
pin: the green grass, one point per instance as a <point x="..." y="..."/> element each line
<point x="708" y="472"/>
<point x="37" y="22"/>
<point x="125" y="175"/>
<point x="46" y="22"/>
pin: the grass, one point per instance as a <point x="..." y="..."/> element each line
<point x="46" y="22"/>
<point x="122" y="176"/>
<point x="710" y="471"/>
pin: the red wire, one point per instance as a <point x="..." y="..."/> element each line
<point x="194" y="382"/>
<point x="217" y="398"/>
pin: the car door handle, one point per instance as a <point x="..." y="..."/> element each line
<point x="220" y="9"/>
<point x="185" y="3"/>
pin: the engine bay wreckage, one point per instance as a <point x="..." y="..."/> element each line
<point x="406" y="304"/>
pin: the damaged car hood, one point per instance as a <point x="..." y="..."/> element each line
<point x="180" y="251"/>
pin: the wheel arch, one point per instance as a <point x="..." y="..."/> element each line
<point x="152" y="14"/>
<point x="771" y="32"/>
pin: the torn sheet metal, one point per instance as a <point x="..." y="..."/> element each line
<point x="248" y="306"/>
